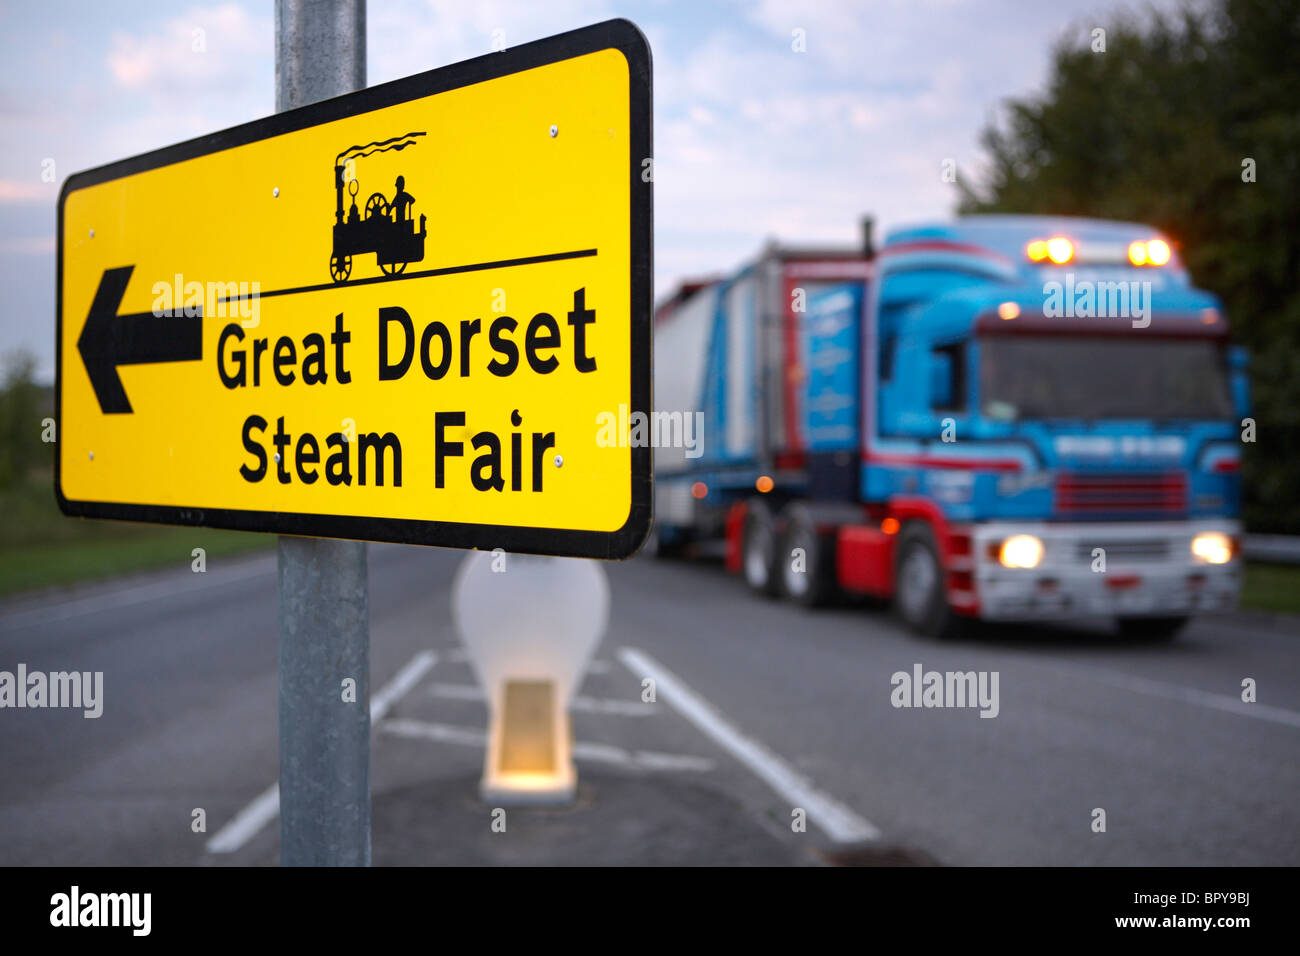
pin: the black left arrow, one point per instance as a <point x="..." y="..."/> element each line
<point x="109" y="340"/>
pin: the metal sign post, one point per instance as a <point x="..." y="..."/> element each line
<point x="320" y="52"/>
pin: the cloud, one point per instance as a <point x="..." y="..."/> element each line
<point x="752" y="139"/>
<point x="757" y="140"/>
<point x="412" y="36"/>
<point x="195" y="51"/>
<point x="32" y="191"/>
<point x="28" y="246"/>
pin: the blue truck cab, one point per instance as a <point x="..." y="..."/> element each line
<point x="997" y="417"/>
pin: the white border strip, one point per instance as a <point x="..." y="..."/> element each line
<point x="585" y="705"/>
<point x="593" y="752"/>
<point x="836" y="820"/>
<point x="1190" y="695"/>
<point x="395" y="689"/>
<point x="174" y="585"/>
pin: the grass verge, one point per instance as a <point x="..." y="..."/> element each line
<point x="41" y="547"/>
<point x="1271" y="587"/>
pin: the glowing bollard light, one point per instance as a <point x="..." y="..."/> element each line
<point x="530" y="625"/>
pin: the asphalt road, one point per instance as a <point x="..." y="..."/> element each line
<point x="763" y="712"/>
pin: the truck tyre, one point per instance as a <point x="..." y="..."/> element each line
<point x="920" y="599"/>
<point x="1151" y="628"/>
<point x="758" y="549"/>
<point x="806" y="559"/>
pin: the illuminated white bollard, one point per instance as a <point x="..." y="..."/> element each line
<point x="529" y="627"/>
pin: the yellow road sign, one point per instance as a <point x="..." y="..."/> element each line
<point x="408" y="314"/>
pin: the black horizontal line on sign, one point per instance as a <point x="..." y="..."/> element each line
<point x="425" y="274"/>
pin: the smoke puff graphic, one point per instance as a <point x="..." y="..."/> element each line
<point x="397" y="143"/>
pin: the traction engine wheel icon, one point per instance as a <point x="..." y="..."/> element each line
<point x="380" y="226"/>
<point x="340" y="267"/>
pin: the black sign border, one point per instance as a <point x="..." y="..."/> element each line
<point x="621" y="35"/>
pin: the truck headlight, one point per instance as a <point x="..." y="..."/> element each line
<point x="1021" y="551"/>
<point x="1212" y="547"/>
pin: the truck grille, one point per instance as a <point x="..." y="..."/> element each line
<point x="1155" y="549"/>
<point x="1093" y="496"/>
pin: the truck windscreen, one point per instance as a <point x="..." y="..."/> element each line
<point x="1090" y="377"/>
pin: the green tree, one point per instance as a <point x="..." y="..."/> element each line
<point x="21" y="412"/>
<point x="1161" y="128"/>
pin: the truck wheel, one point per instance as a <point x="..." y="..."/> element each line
<point x="1151" y="628"/>
<point x="920" y="600"/>
<point x="806" y="559"/>
<point x="758" y="549"/>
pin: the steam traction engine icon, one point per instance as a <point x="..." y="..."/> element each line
<point x="386" y="228"/>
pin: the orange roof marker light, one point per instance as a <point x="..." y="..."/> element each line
<point x="1153" y="252"/>
<point x="764" y="484"/>
<point x="1036" y="250"/>
<point x="1008" y="310"/>
<point x="699" y="489"/>
<point x="1158" y="252"/>
<point x="1060" y="250"/>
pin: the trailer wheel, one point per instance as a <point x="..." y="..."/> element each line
<point x="758" y="549"/>
<point x="806" y="559"/>
<point x="920" y="598"/>
<point x="1151" y="628"/>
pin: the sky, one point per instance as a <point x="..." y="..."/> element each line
<point x="772" y="119"/>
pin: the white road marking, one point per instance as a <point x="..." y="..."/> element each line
<point x="442" y="733"/>
<point x="657" y="761"/>
<point x="835" y="819"/>
<point x="589" y="705"/>
<point x="405" y="679"/>
<point x="591" y="752"/>
<point x="1190" y="695"/>
<point x="249" y="821"/>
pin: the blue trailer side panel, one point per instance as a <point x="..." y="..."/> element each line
<point x="830" y="344"/>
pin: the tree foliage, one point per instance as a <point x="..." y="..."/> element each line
<point x="22" y="410"/>
<point x="1158" y="129"/>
